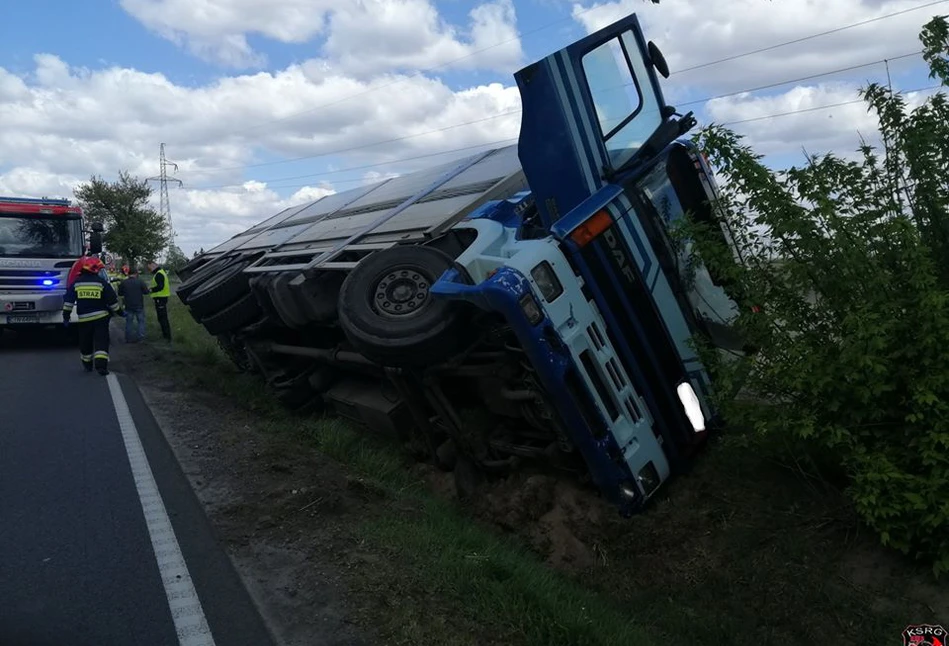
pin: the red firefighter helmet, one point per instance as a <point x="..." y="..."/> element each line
<point x="92" y="265"/>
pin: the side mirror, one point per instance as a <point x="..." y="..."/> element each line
<point x="97" y="227"/>
<point x="95" y="240"/>
<point x="657" y="59"/>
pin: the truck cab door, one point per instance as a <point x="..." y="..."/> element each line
<point x="591" y="110"/>
<point x="594" y="119"/>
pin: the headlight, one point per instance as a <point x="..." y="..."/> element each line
<point x="690" y="403"/>
<point x="629" y="491"/>
<point x="531" y="309"/>
<point x="649" y="478"/>
<point x="550" y="288"/>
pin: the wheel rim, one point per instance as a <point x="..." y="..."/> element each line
<point x="400" y="292"/>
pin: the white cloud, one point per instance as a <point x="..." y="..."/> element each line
<point x="799" y="119"/>
<point x="60" y="125"/>
<point x="27" y="181"/>
<point x="218" y="29"/>
<point x="804" y="122"/>
<point x="359" y="36"/>
<point x="406" y="34"/>
<point x="695" y="34"/>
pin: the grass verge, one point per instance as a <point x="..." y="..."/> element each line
<point x="740" y="552"/>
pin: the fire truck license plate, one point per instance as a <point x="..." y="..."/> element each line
<point x="14" y="319"/>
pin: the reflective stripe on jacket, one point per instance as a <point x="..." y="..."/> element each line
<point x="92" y="297"/>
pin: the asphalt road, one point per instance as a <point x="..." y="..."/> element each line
<point x="102" y="540"/>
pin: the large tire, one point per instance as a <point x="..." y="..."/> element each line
<point x="192" y="267"/>
<point x="194" y="281"/>
<point x="234" y="317"/>
<point x="387" y="311"/>
<point x="220" y="291"/>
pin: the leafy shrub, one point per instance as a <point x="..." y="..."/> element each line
<point x="843" y="283"/>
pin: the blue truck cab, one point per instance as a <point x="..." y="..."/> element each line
<point x="591" y="280"/>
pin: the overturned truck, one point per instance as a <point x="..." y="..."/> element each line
<point x="523" y="306"/>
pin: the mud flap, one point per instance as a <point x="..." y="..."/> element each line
<point x="317" y="294"/>
<point x="284" y="301"/>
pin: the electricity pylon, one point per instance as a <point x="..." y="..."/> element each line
<point x="164" y="207"/>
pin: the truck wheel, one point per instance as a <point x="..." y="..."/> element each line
<point x="202" y="274"/>
<point x="387" y="311"/>
<point x="192" y="268"/>
<point x="233" y="317"/>
<point x="220" y="291"/>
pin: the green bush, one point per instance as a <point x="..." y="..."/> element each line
<point x="843" y="283"/>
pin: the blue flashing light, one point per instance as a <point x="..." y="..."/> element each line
<point x="47" y="282"/>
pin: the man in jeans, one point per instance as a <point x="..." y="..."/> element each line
<point x="133" y="291"/>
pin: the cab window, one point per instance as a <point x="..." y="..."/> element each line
<point x="626" y="107"/>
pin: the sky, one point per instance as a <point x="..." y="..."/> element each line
<point x="267" y="103"/>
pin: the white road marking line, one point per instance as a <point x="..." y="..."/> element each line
<point x="186" y="611"/>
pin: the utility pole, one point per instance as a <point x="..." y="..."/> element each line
<point x="163" y="179"/>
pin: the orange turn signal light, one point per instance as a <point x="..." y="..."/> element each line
<point x="591" y="228"/>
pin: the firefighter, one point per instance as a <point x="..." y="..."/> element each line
<point x="95" y="302"/>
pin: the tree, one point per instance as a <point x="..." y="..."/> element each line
<point x="852" y="323"/>
<point x="176" y="259"/>
<point x="133" y="229"/>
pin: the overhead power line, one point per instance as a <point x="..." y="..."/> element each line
<point x="819" y="107"/>
<point x="518" y="110"/>
<point x="513" y="139"/>
<point x="571" y="17"/>
<point x="799" y="79"/>
<point x="806" y="38"/>
<point x="369" y="145"/>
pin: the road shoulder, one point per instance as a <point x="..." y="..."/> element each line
<point x="248" y="495"/>
<point x="231" y="614"/>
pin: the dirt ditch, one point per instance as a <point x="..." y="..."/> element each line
<point x="286" y="515"/>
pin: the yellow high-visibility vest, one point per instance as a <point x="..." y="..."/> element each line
<point x="165" y="291"/>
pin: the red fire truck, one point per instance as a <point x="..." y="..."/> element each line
<point x="40" y="239"/>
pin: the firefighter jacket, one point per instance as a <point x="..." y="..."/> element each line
<point x="93" y="298"/>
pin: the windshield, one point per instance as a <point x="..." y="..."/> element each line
<point x="709" y="301"/>
<point x="40" y="237"/>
